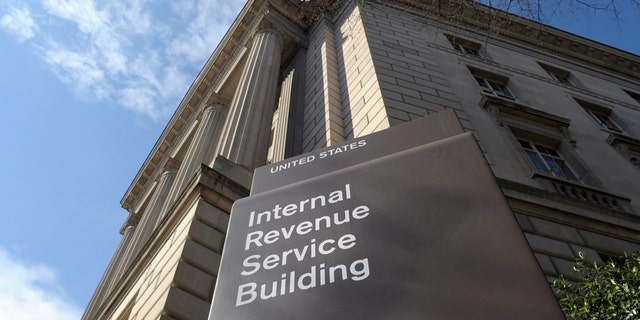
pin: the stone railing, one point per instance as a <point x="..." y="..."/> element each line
<point x="587" y="194"/>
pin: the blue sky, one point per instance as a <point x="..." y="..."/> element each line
<point x="85" y="90"/>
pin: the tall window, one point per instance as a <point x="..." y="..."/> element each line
<point x="547" y="159"/>
<point x="558" y="74"/>
<point x="601" y="115"/>
<point x="465" y="46"/>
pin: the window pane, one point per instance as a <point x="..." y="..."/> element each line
<point x="552" y="152"/>
<point x="471" y="51"/>
<point x="484" y="85"/>
<point x="537" y="162"/>
<point x="540" y="148"/>
<point x="554" y="168"/>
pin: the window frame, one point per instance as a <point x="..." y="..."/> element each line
<point x="557" y="74"/>
<point x="465" y="46"/>
<point x="547" y="159"/>
<point x="627" y="147"/>
<point x="601" y="115"/>
<point x="494" y="87"/>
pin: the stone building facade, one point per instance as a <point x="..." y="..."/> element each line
<point x="556" y="115"/>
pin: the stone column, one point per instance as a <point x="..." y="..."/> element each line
<point x="200" y="151"/>
<point x="252" y="106"/>
<point x="127" y="238"/>
<point x="111" y="275"/>
<point x="152" y="217"/>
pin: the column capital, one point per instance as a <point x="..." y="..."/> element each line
<point x="213" y="107"/>
<point x="215" y="99"/>
<point x="268" y="27"/>
<point x="130" y="224"/>
<point x="170" y="166"/>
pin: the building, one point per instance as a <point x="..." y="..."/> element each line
<point x="556" y="116"/>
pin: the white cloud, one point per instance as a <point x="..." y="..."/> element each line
<point x="79" y="70"/>
<point x="31" y="291"/>
<point x="18" y="21"/>
<point x="82" y="12"/>
<point x="139" y="54"/>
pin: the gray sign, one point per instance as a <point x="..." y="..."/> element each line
<point x="422" y="233"/>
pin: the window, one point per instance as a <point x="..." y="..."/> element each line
<point x="547" y="159"/>
<point x="494" y="87"/>
<point x="465" y="46"/>
<point x="558" y="74"/>
<point x="634" y="95"/>
<point x="601" y="115"/>
<point x="628" y="147"/>
<point x="545" y="143"/>
<point x="604" y="120"/>
<point x="491" y="83"/>
<point x="543" y="137"/>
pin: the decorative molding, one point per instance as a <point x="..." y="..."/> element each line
<point x="496" y="23"/>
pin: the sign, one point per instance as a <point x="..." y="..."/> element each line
<point x="420" y="233"/>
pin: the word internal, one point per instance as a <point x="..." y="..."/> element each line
<point x="314" y="202"/>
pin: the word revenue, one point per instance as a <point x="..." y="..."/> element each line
<point x="279" y="211"/>
<point x="290" y="282"/>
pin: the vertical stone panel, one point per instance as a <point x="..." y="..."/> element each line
<point x="360" y="93"/>
<point x="323" y="119"/>
<point x="412" y="83"/>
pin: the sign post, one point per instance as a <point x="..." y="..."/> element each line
<point x="418" y="233"/>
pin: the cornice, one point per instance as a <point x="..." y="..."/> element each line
<point x="479" y="18"/>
